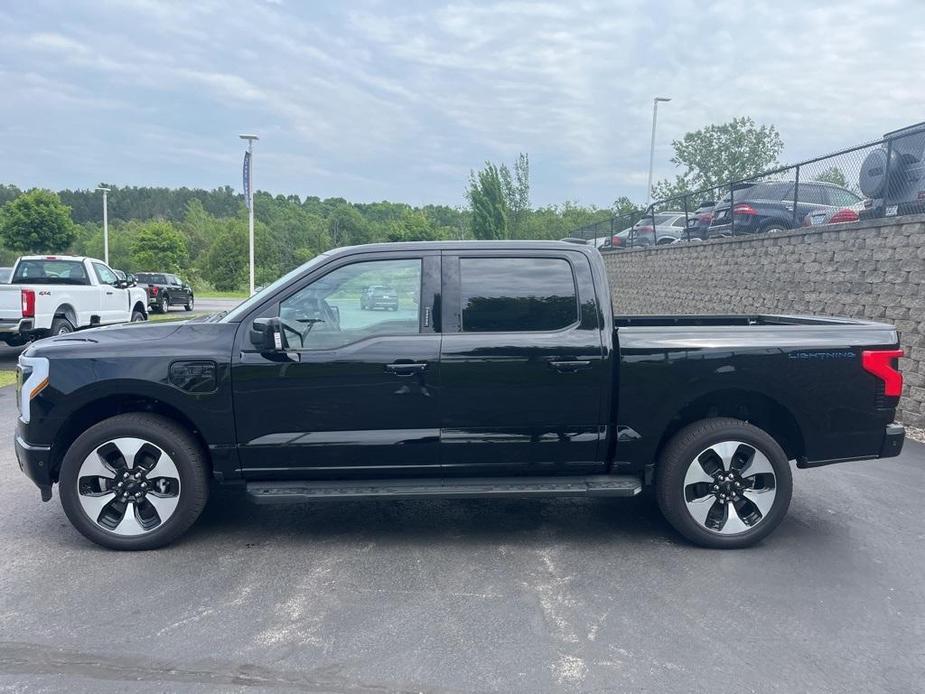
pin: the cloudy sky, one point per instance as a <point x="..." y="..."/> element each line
<point x="376" y="100"/>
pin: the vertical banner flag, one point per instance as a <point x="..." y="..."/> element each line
<point x="247" y="179"/>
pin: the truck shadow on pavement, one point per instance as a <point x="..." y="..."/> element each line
<point x="461" y="522"/>
<point x="429" y="520"/>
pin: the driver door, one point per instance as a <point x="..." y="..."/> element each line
<point x="354" y="393"/>
<point x="113" y="301"/>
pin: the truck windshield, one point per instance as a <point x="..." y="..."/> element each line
<point x="238" y="311"/>
<point x="50" y="271"/>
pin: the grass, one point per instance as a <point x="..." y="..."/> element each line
<point x="212" y="294"/>
<point x="7" y="377"/>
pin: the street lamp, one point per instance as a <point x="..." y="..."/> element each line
<point x="249" y="194"/>
<point x="105" y="223"/>
<point x="652" y="145"/>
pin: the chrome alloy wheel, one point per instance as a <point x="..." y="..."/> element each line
<point x="730" y="487"/>
<point x="128" y="486"/>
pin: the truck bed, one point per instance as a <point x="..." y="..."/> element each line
<point x="693" y="320"/>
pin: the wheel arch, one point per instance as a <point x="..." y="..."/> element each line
<point x="141" y="307"/>
<point x="750" y="405"/>
<point x="100" y="408"/>
<point x="66" y="310"/>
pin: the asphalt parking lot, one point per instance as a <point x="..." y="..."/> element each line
<point x="447" y="596"/>
<point x="212" y="305"/>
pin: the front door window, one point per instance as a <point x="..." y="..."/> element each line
<point x="353" y="303"/>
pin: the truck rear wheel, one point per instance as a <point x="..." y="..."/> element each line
<point x="723" y="483"/>
<point x="135" y="481"/>
<point x="61" y="326"/>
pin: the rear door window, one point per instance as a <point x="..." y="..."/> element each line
<point x="812" y="194"/>
<point x="517" y="294"/>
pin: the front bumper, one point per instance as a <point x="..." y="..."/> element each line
<point x="35" y="462"/>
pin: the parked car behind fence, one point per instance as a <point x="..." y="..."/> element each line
<point x="883" y="178"/>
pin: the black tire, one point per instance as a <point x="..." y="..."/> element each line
<point x="162" y="305"/>
<point x="189" y="304"/>
<point x="685" y="447"/>
<point x="61" y="326"/>
<point x="138" y="317"/>
<point x="775" y="228"/>
<point x="173" y="439"/>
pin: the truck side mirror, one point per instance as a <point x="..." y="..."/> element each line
<point x="266" y="334"/>
<point x="121" y="284"/>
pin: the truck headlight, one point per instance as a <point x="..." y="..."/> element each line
<point x="31" y="379"/>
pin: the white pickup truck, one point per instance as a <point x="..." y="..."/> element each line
<point x="53" y="295"/>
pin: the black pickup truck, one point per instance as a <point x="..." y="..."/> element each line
<point x="165" y="290"/>
<point x="504" y="373"/>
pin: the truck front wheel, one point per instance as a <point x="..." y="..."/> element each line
<point x="135" y="481"/>
<point x="723" y="483"/>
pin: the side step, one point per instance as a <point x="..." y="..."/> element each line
<point x="274" y="492"/>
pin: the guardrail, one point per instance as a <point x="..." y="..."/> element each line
<point x="877" y="179"/>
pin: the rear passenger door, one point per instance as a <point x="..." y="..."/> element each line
<point x="522" y="367"/>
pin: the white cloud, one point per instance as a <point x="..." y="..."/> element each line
<point x="400" y="100"/>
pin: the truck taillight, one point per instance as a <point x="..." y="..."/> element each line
<point x="881" y="363"/>
<point x="28" y="303"/>
<point x="153" y="290"/>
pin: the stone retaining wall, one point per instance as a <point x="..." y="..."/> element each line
<point x="871" y="269"/>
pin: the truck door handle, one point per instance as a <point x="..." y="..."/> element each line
<point x="570" y="366"/>
<point x="109" y="293"/>
<point x="406" y="368"/>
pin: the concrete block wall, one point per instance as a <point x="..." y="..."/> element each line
<point x="871" y="269"/>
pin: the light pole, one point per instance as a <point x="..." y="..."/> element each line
<point x="249" y="193"/>
<point x="105" y="223"/>
<point x="652" y="145"/>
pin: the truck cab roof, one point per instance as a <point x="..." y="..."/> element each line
<point x="79" y="258"/>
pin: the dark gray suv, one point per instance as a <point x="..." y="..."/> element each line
<point x="768" y="207"/>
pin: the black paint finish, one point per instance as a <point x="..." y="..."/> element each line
<point x="445" y="402"/>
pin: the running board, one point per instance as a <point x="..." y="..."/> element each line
<point x="269" y="492"/>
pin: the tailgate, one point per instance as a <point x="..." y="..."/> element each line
<point x="10" y="302"/>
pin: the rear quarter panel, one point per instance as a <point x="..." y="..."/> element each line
<point x="814" y="372"/>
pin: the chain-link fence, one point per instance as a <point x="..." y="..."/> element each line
<point x="879" y="179"/>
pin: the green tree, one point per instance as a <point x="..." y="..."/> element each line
<point x="226" y="263"/>
<point x="516" y="189"/>
<point x="158" y="246"/>
<point x="414" y="225"/>
<point x="37" y="222"/>
<point x="833" y="174"/>
<point x="347" y="227"/>
<point x="488" y="203"/>
<point x="719" y="154"/>
<point x="89" y="242"/>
